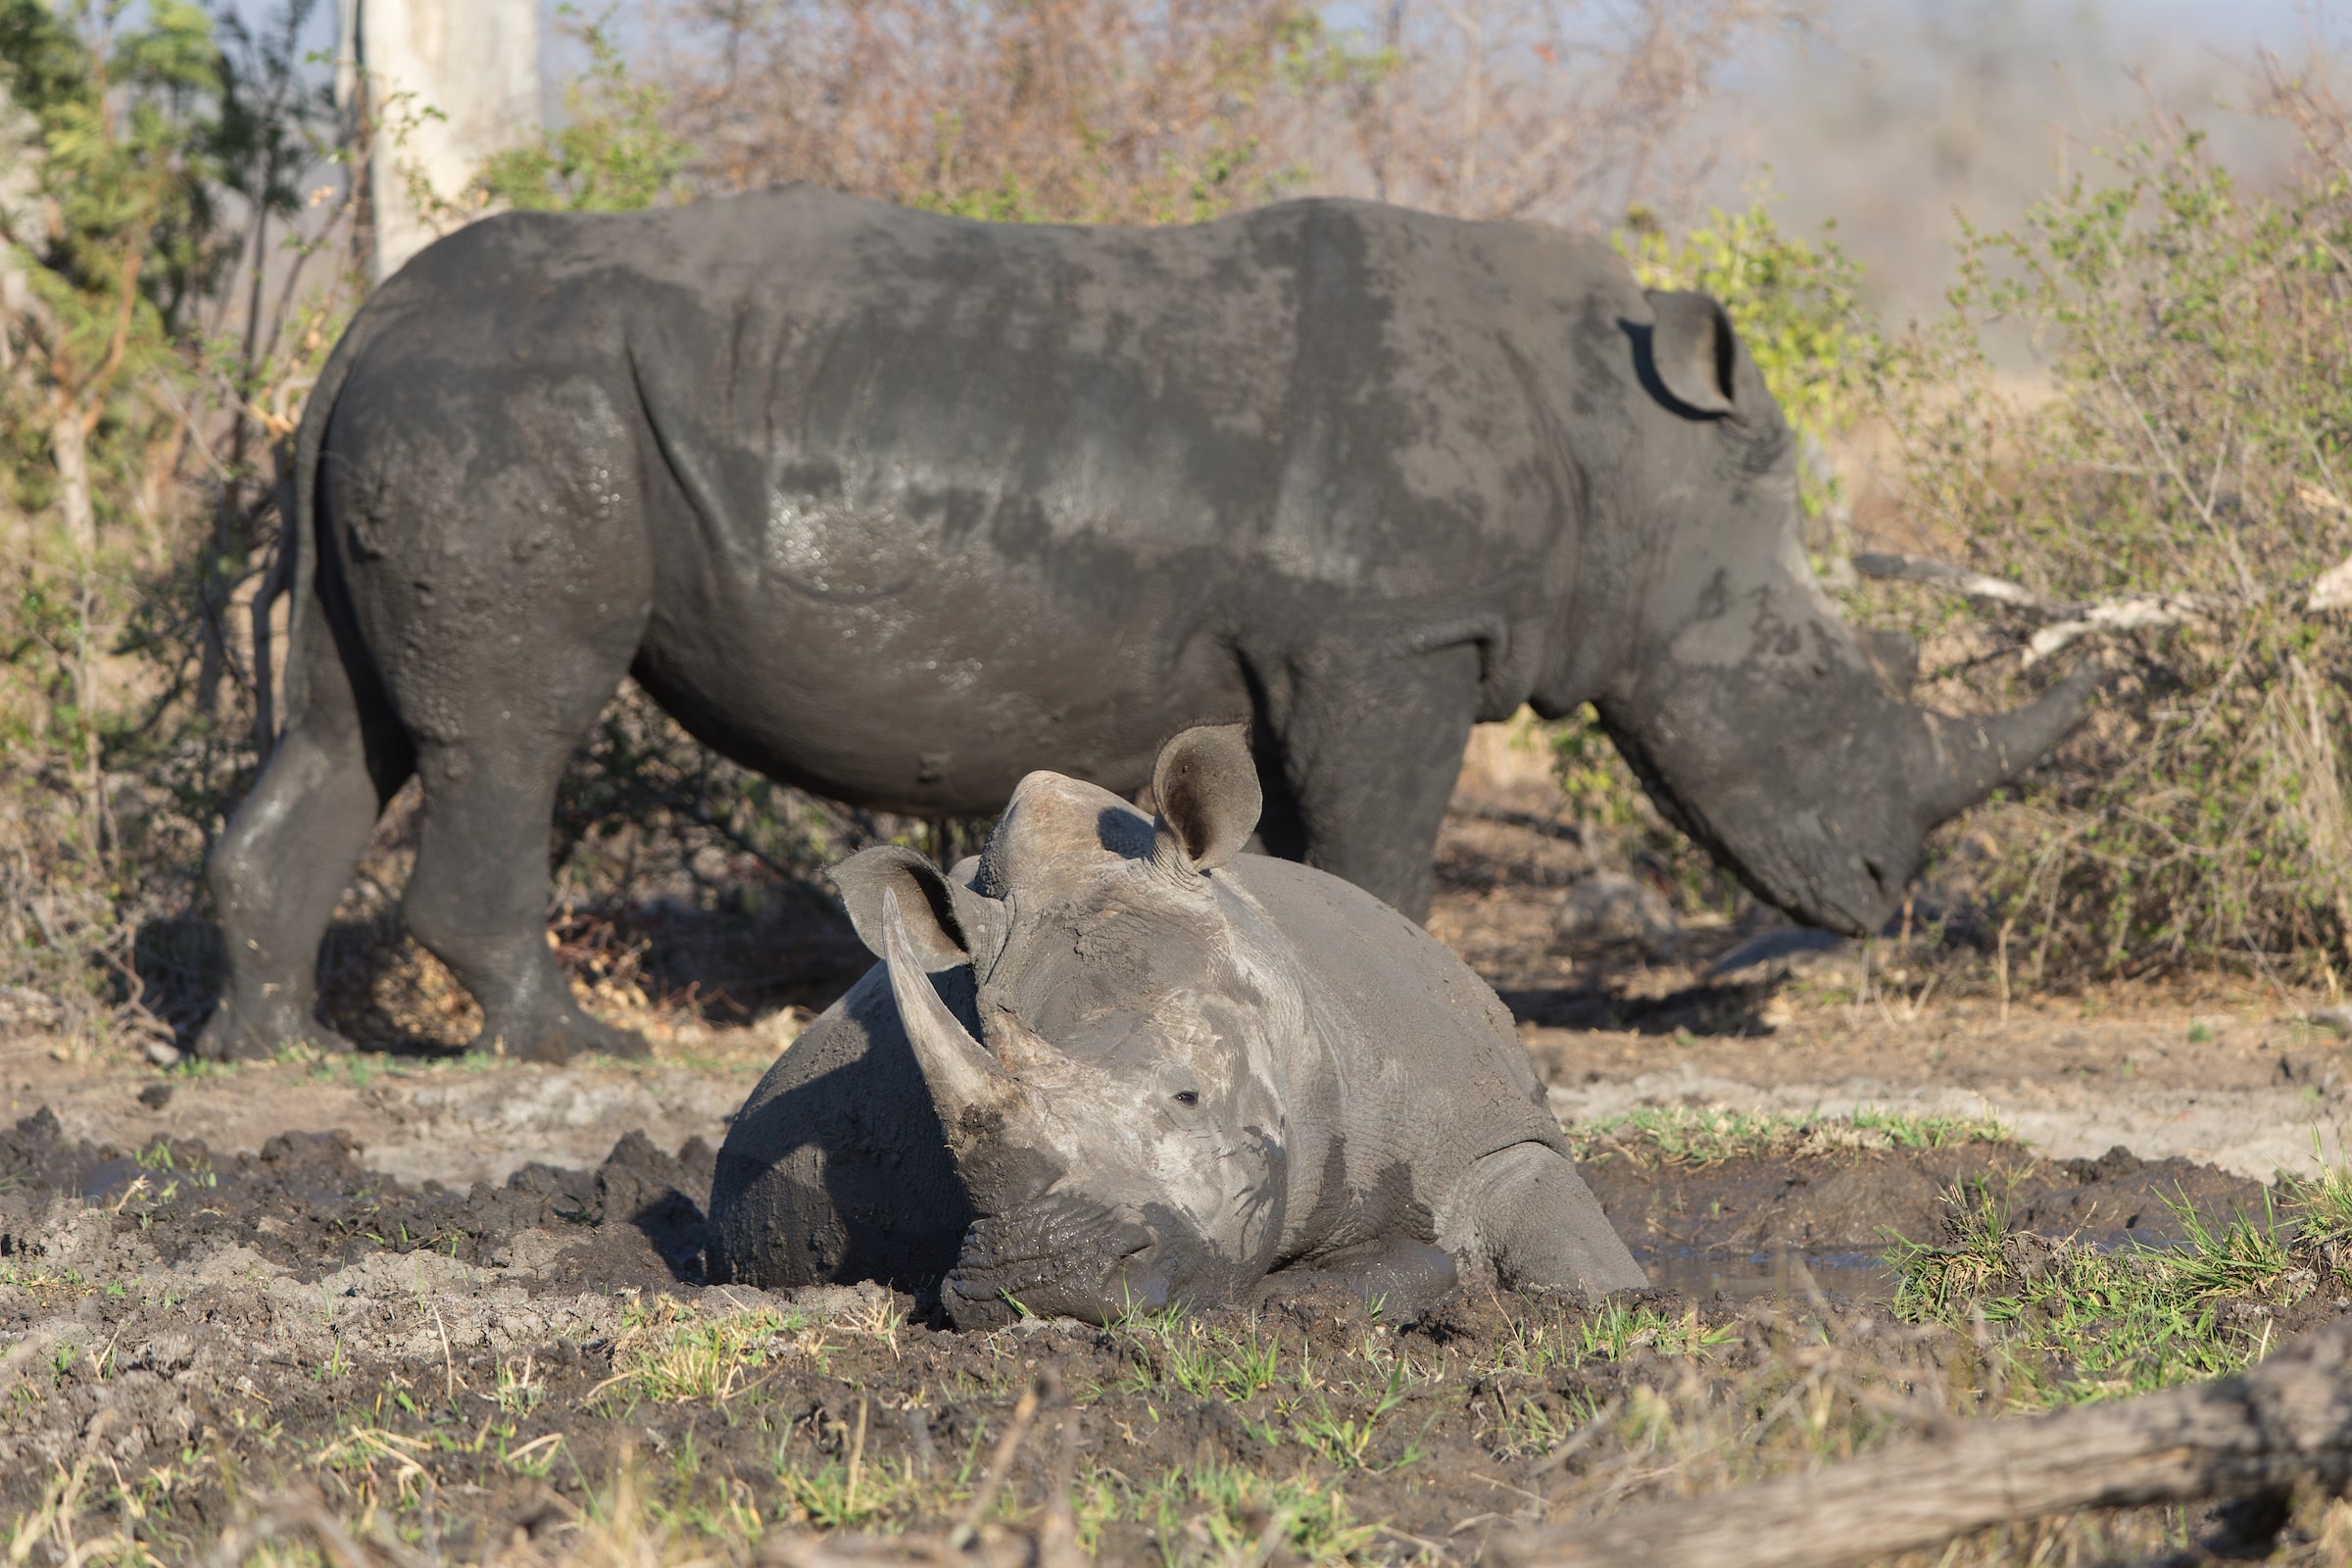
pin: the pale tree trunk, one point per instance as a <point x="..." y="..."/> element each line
<point x="69" y="445"/>
<point x="435" y="86"/>
<point x="1472" y="21"/>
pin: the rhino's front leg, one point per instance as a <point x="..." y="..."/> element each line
<point x="1369" y="755"/>
<point x="1399" y="1278"/>
<point x="1530" y="1216"/>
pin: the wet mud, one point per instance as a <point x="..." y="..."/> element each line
<point x="216" y="1324"/>
<point x="1761" y="1226"/>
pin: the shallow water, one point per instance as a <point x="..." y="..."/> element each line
<point x="1740" y="1276"/>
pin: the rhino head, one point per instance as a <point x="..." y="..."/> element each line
<point x="1116" y="1116"/>
<point x="1759" y="721"/>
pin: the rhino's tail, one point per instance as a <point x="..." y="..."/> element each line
<point x="298" y="512"/>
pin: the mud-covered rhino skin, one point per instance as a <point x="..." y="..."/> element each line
<point x="899" y="508"/>
<point x="1114" y="1064"/>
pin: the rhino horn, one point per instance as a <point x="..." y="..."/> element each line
<point x="961" y="1073"/>
<point x="1958" y="762"/>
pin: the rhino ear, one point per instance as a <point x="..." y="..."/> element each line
<point x="1693" y="348"/>
<point x="934" y="937"/>
<point x="1205" y="788"/>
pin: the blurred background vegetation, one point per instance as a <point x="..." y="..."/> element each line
<point x="177" y="224"/>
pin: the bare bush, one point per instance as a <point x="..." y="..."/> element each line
<point x="1111" y="111"/>
<point x="1097" y="110"/>
<point x="156" y="316"/>
<point x="1568" y="111"/>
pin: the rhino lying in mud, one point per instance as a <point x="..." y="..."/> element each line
<point x="899" y="508"/>
<point x="1115" y="1063"/>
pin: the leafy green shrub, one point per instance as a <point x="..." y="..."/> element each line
<point x="615" y="152"/>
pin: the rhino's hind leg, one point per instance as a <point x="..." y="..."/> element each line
<point x="478" y="897"/>
<point x="279" y="871"/>
<point x="1534" y="1218"/>
<point x="510" y="718"/>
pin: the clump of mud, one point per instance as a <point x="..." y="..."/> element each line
<point x="307" y="1206"/>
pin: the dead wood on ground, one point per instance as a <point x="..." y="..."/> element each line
<point x="2283" y="1423"/>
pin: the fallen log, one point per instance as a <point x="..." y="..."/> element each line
<point x="2284" y="1422"/>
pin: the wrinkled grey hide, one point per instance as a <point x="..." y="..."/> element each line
<point x="898" y="507"/>
<point x="1112" y="1063"/>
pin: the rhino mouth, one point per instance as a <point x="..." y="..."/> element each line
<point x="1069" y="1257"/>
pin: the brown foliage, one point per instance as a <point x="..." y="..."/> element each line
<point x="1122" y="111"/>
<point x="1568" y="111"/>
<point x="1102" y="110"/>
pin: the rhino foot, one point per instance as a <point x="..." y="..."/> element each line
<point x="1396" y="1281"/>
<point x="233" y="1035"/>
<point x="1537" y="1224"/>
<point x="558" y="1039"/>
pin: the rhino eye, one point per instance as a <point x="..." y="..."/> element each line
<point x="1186" y="1096"/>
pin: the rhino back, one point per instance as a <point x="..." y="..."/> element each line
<point x="837" y="1169"/>
<point x="1429" y="1065"/>
<point x="1153" y="460"/>
<point x="1338" y="391"/>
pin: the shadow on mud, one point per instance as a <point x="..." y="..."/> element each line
<point x="783" y="945"/>
<point x="1706" y="1010"/>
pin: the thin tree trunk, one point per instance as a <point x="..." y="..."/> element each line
<point x="2265" y="1431"/>
<point x="265" y="693"/>
<point x="69" y="443"/>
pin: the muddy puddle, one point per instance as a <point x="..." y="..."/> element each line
<point x="1781" y="1276"/>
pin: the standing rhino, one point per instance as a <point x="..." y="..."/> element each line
<point x="1116" y="1063"/>
<point x="898" y="507"/>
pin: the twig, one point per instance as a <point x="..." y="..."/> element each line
<point x="999" y="1465"/>
<point x="1575" y="1442"/>
<point x="1058" y="1533"/>
<point x="1271" y="1537"/>
<point x="449" y="1362"/>
<point x="2130" y="612"/>
<point x="1960" y="580"/>
<point x="857" y="1460"/>
<point x="2062" y="623"/>
<point x="303" y="1514"/>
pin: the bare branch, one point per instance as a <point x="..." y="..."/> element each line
<point x="2131" y="613"/>
<point x="2062" y="623"/>
<point x="1960" y="580"/>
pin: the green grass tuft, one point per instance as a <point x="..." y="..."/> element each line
<point x="2063" y="1322"/>
<point x="1694" y="1135"/>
